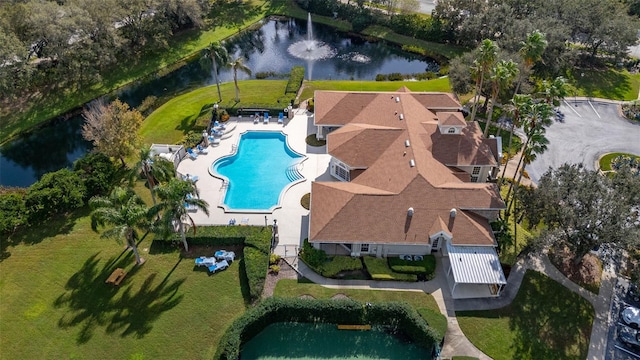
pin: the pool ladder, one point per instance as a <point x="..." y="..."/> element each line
<point x="234" y="147"/>
<point x="225" y="184"/>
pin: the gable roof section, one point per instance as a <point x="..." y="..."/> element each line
<point x="451" y="118"/>
<point x="358" y="145"/>
<point x="465" y="149"/>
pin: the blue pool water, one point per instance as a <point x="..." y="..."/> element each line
<point x="259" y="171"/>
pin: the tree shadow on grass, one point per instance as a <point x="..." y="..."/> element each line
<point x="604" y="83"/>
<point x="32" y="235"/>
<point x="549" y="321"/>
<point x="232" y="14"/>
<point x="90" y="303"/>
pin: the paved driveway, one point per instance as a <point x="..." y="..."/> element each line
<point x="588" y="130"/>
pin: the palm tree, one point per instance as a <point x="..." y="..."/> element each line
<point x="154" y="168"/>
<point x="536" y="145"/>
<point x="555" y="90"/>
<point x="214" y="57"/>
<point x="176" y="195"/>
<point x="126" y="211"/>
<point x="531" y="50"/>
<point x="238" y="64"/>
<point x="519" y="106"/>
<point x="503" y="73"/>
<point x="486" y="57"/>
<point x="538" y="117"/>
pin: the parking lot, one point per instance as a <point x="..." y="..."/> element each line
<point x="616" y="349"/>
<point x="585" y="131"/>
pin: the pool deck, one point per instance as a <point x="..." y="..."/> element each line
<point x="292" y="218"/>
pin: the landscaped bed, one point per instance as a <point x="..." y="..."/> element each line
<point x="545" y="321"/>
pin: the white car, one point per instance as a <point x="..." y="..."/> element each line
<point x="631" y="316"/>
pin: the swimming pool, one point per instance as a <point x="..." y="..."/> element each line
<point x="258" y="172"/>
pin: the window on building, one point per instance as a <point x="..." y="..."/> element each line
<point x="451" y="130"/>
<point x="342" y="173"/>
<point x="364" y="248"/>
<point x="476" y="170"/>
<point x="474" y="179"/>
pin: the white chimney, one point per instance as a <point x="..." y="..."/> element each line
<point x="397" y="99"/>
<point x="452" y="213"/>
<point x="412" y="163"/>
<point x="401" y="116"/>
<point x="407" y="143"/>
<point x="410" y="212"/>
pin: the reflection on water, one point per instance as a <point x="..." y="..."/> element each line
<point x="25" y="160"/>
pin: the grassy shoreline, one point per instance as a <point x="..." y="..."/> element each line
<point x="43" y="107"/>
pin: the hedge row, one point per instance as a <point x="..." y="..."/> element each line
<point x="397" y="316"/>
<point x="337" y="264"/>
<point x="425" y="266"/>
<point x="257" y="245"/>
<point x="295" y="80"/>
<point x="379" y="269"/>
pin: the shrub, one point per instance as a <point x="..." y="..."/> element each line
<point x="265" y="74"/>
<point x="192" y="139"/>
<point x="273" y="259"/>
<point x="394" y="316"/>
<point x="295" y="80"/>
<point x="313" y="257"/>
<point x="274" y="269"/>
<point x="310" y="105"/>
<point x="436" y="320"/>
<point x="396" y="77"/>
<point x="147" y="105"/>
<point x="337" y="264"/>
<point x="379" y="270"/>
<point x="426" y="266"/>
<point x="98" y="173"/>
<point x="13" y="212"/>
<point x="56" y="193"/>
<point x="382" y="77"/>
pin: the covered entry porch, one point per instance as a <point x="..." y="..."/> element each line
<point x="473" y="272"/>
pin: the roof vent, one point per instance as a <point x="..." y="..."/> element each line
<point x="412" y="163"/>
<point x="452" y="213"/>
<point x="410" y="212"/>
<point x="397" y="99"/>
<point x="401" y="116"/>
<point x="407" y="143"/>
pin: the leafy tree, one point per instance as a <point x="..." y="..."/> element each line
<point x="583" y="210"/>
<point x="174" y="196"/>
<point x="126" y="212"/>
<point x="57" y="192"/>
<point x="236" y="65"/>
<point x="501" y="76"/>
<point x="98" y="173"/>
<point x="154" y="169"/>
<point x="486" y="55"/>
<point x="215" y="56"/>
<point x="555" y="90"/>
<point x="113" y="129"/>
<point x="13" y="212"/>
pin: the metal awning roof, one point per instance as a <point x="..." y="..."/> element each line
<point x="475" y="265"/>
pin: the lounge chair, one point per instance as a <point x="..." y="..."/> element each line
<point x="225" y="255"/>
<point x="191" y="154"/>
<point x="266" y="118"/>
<point x="245" y="221"/>
<point x="256" y="119"/>
<point x="192" y="178"/>
<point x="281" y="118"/>
<point x="232" y="221"/>
<point x="219" y="266"/>
<point x="205" y="261"/>
<point x="214" y="141"/>
<point x="202" y="150"/>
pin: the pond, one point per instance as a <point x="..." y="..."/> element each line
<point x="265" y="50"/>
<point x="325" y="341"/>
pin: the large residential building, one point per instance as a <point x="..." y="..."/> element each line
<point x="412" y="178"/>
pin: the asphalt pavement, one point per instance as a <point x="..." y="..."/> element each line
<point x="584" y="131"/>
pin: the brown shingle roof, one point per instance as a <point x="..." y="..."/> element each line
<point x="372" y="208"/>
<point x="451" y="118"/>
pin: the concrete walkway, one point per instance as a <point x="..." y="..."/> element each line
<point x="456" y="343"/>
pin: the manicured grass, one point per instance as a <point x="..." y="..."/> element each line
<point x="379" y="269"/>
<point x="425" y="266"/>
<point x="545" y="321"/>
<point x="423" y="303"/>
<point x="605" y="161"/>
<point x="174" y="119"/>
<point x="430" y="48"/>
<point x="440" y="84"/>
<point x="607" y="84"/>
<point x="509" y="255"/>
<point x="55" y="303"/>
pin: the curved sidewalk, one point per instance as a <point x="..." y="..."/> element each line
<point x="456" y="343"/>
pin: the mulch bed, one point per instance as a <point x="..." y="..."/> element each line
<point x="586" y="273"/>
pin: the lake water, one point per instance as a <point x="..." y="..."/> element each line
<point x="57" y="145"/>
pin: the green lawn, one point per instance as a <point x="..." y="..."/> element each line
<point x="430" y="48"/>
<point x="607" y="84"/>
<point x="545" y="321"/>
<point x="440" y="84"/>
<point x="510" y="255"/>
<point x="170" y="122"/>
<point x="56" y="305"/>
<point x="605" y="161"/>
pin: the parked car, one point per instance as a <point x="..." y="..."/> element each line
<point x="631" y="316"/>
<point x="629" y="336"/>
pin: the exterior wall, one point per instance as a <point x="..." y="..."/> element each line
<point x="446" y="129"/>
<point x="334" y="249"/>
<point x="395" y="250"/>
<point x="339" y="170"/>
<point x="485" y="172"/>
<point x="378" y="250"/>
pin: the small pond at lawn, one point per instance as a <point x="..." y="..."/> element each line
<point x="325" y="341"/>
<point x="265" y="50"/>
